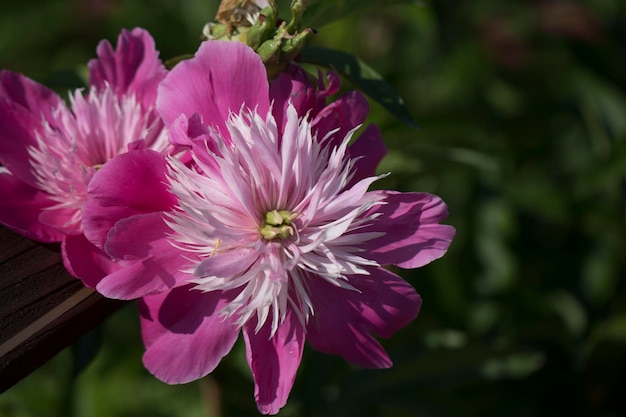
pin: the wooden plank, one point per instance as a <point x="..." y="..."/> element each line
<point x="42" y="308"/>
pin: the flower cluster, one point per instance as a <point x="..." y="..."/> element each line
<point x="50" y="152"/>
<point x="225" y="203"/>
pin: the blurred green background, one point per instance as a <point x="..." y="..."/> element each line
<point x="522" y="114"/>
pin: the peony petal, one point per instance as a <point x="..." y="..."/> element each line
<point x="134" y="66"/>
<point x="285" y="88"/>
<point x="151" y="264"/>
<point x="189" y="133"/>
<point x="343" y="319"/>
<point x="129" y="184"/>
<point x="20" y="208"/>
<point x="342" y="115"/>
<point x="29" y="94"/>
<point x="412" y="236"/>
<point x="227" y="264"/>
<point x="221" y="78"/>
<point x="18" y="130"/>
<point x="62" y="219"/>
<point x="184" y="334"/>
<point x="368" y="150"/>
<point x="293" y="87"/>
<point x="85" y="261"/>
<point x="274" y="360"/>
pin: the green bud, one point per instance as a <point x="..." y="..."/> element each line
<point x="298" y="7"/>
<point x="291" y="47"/>
<point x="263" y="28"/>
<point x="269" y="51"/>
<point x="276" y="44"/>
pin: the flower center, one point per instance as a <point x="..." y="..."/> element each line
<point x="277" y="224"/>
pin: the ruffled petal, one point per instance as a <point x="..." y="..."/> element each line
<point x="134" y="66"/>
<point x="412" y="236"/>
<point x="20" y="208"/>
<point x="85" y="261"/>
<point x="274" y="360"/>
<point x="129" y="184"/>
<point x="151" y="263"/>
<point x="344" y="319"/>
<point x="221" y="78"/>
<point x="184" y="334"/>
<point x="29" y="94"/>
<point x="368" y="150"/>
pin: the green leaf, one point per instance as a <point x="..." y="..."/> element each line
<point x="362" y="76"/>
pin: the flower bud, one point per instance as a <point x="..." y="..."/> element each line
<point x="255" y="23"/>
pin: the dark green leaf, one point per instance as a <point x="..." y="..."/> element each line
<point x="362" y="76"/>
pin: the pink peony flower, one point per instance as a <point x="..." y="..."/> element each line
<point x="51" y="151"/>
<point x="271" y="232"/>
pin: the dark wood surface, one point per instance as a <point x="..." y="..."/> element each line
<point x="42" y="308"/>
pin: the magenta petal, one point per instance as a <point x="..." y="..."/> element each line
<point x="151" y="263"/>
<point x="368" y="150"/>
<point x="413" y="236"/>
<point x="61" y="219"/>
<point x="129" y="184"/>
<point x="285" y="89"/>
<point x="190" y="133"/>
<point x="134" y="66"/>
<point x="85" y="261"/>
<point x="184" y="334"/>
<point x="131" y="282"/>
<point x="20" y="208"/>
<point x="222" y="77"/>
<point x="274" y="361"/>
<point x="344" y="114"/>
<point x="293" y="87"/>
<point x="344" y="319"/>
<point x="18" y="129"/>
<point x="139" y="237"/>
<point x="32" y="96"/>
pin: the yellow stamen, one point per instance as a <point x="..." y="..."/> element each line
<point x="218" y="241"/>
